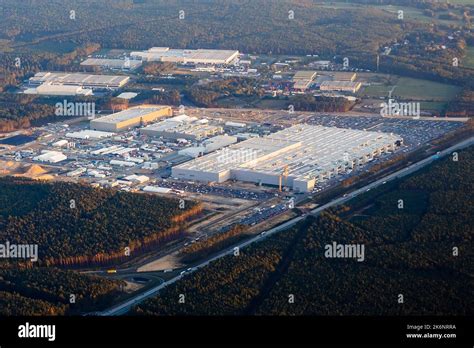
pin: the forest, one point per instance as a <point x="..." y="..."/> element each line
<point x="217" y="242"/>
<point x="321" y="103"/>
<point x="39" y="291"/>
<point x="20" y="111"/>
<point x="259" y="26"/>
<point x="463" y="105"/>
<point x="171" y="97"/>
<point x="75" y="224"/>
<point x="206" y="95"/>
<point x="421" y="251"/>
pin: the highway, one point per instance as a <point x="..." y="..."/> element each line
<point x="126" y="306"/>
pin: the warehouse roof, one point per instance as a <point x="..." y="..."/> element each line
<point x="340" y="85"/>
<point x="48" y="88"/>
<point x="304" y="75"/>
<point x="306" y="150"/>
<point x="113" y="63"/>
<point x="131" y="113"/>
<point x="78" y="78"/>
<point x="187" y="54"/>
<point x="89" y="134"/>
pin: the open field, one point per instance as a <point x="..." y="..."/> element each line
<point x="414" y="89"/>
<point x="410" y="13"/>
<point x="425" y="90"/>
<point x="433" y="106"/>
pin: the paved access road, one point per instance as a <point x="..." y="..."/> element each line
<point x="126" y="306"/>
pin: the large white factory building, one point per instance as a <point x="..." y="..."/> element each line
<point x="78" y="79"/>
<point x="297" y="157"/>
<point x="199" y="56"/>
<point x="133" y="117"/>
<point x="183" y="127"/>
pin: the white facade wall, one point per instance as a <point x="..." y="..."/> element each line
<point x="304" y="185"/>
<point x="190" y="174"/>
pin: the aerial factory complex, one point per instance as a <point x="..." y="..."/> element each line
<point x="199" y="56"/>
<point x="296" y="157"/>
<point x="227" y="158"/>
<point x="79" y="79"/>
<point x="130" y="118"/>
<point x="183" y="127"/>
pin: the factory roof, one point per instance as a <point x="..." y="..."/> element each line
<point x="48" y="88"/>
<point x="301" y="84"/>
<point x="78" y="79"/>
<point x="304" y="75"/>
<point x="131" y="113"/>
<point x="113" y="63"/>
<point x="89" y="134"/>
<point x="156" y="189"/>
<point x="183" y="124"/>
<point x="303" y="79"/>
<point x="339" y="83"/>
<point x="51" y="156"/>
<point x="305" y="150"/>
<point x="187" y="54"/>
<point x="239" y="154"/>
<point x="127" y="95"/>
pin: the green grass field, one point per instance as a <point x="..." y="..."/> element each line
<point x="415" y="89"/>
<point x="425" y="90"/>
<point x="410" y="13"/>
<point x="433" y="106"/>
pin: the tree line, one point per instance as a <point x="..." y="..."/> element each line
<point x="417" y="251"/>
<point x="76" y="224"/>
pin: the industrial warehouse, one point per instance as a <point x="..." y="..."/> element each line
<point x="129" y="118"/>
<point x="341" y="86"/>
<point x="297" y="157"/>
<point x="183" y="127"/>
<point x="186" y="56"/>
<point x="79" y="80"/>
<point x="116" y="64"/>
<point x="303" y="79"/>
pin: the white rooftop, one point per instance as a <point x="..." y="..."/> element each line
<point x="112" y="63"/>
<point x="188" y="55"/>
<point x="89" y="134"/>
<point x="130" y="114"/>
<point x="305" y="150"/>
<point x="79" y="79"/>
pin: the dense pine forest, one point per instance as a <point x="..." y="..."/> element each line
<point x="76" y="224"/>
<point x="261" y="27"/>
<point x="48" y="292"/>
<point x="420" y="250"/>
